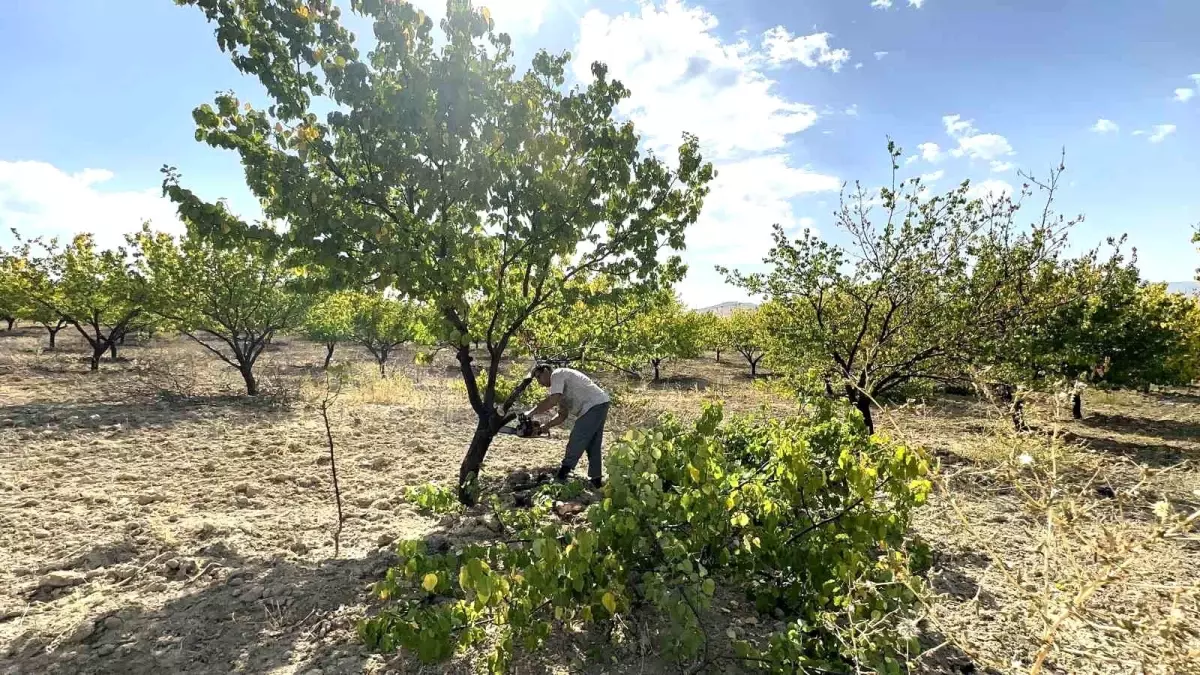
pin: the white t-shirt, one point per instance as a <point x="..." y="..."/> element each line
<point x="577" y="389"/>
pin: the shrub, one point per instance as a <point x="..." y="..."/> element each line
<point x="807" y="517"/>
<point x="432" y="498"/>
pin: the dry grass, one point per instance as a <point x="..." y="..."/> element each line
<point x="192" y="527"/>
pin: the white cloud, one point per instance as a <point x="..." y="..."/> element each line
<point x="957" y="126"/>
<point x="747" y="198"/>
<point x="1001" y="167"/>
<point x="1183" y="95"/>
<point x="39" y="199"/>
<point x="1139" y="132"/>
<point x="1195" y="78"/>
<point x="1103" y="126"/>
<point x="810" y="50"/>
<point x="916" y="3"/>
<point x="515" y="17"/>
<point x="989" y="189"/>
<point x="852" y="110"/>
<point x="881" y="4"/>
<point x="934" y="177"/>
<point x="1161" y="131"/>
<point x="683" y="77"/>
<point x="971" y="143"/>
<point x="879" y="55"/>
<point x="930" y="152"/>
<point x="858" y="66"/>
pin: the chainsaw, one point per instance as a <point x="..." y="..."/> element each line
<point x="526" y="427"/>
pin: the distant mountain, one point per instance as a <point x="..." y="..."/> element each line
<point x="726" y="308"/>
<point x="1184" y="287"/>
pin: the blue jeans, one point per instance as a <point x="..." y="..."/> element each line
<point x="587" y="434"/>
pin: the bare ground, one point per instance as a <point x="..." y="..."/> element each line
<point x="153" y="520"/>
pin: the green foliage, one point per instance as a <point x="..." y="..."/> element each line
<point x="662" y="329"/>
<point x="505" y="385"/>
<point x="229" y="300"/>
<point x="1196" y="240"/>
<point x="806" y="517"/>
<point x="441" y="171"/>
<point x="381" y="323"/>
<point x="330" y="320"/>
<point x="1182" y="364"/>
<point x="1121" y="332"/>
<point x="924" y="292"/>
<point x="14" y="303"/>
<point x="631" y="331"/>
<point x="432" y="498"/>
<point x="747" y="332"/>
<point x="714" y="333"/>
<point x="96" y="291"/>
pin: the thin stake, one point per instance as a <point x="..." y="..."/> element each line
<point x="337" y="492"/>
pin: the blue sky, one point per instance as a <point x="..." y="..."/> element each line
<point x="789" y="98"/>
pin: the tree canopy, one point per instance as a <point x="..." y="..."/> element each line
<point x="330" y="320"/>
<point x="231" y="301"/>
<point x="381" y="324"/>
<point x="441" y="172"/>
<point x="746" y="331"/>
<point x="924" y="286"/>
<point x="96" y="291"/>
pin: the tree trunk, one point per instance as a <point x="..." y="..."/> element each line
<point x="864" y="406"/>
<point x="53" y="334"/>
<point x="329" y="353"/>
<point x="1017" y="411"/>
<point x="655" y="364"/>
<point x="754" y="368"/>
<point x="718" y="356"/>
<point x="112" y="350"/>
<point x="251" y="385"/>
<point x="97" y="351"/>
<point x="1077" y="406"/>
<point x="468" y="473"/>
<point x="122" y="340"/>
<point x="10" y="320"/>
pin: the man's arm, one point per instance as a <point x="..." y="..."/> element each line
<point x="546" y="404"/>
<point x="562" y="416"/>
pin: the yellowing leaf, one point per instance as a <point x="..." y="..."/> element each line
<point x="486" y="14"/>
<point x="303" y="12"/>
<point x="610" y="602"/>
<point x="429" y="582"/>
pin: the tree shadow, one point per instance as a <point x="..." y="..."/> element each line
<point x="954" y="573"/>
<point x="1146" y="454"/>
<point x="1178" y="397"/>
<point x="138" y="412"/>
<point x="680" y="382"/>
<point x="1167" y="429"/>
<point x="248" y="615"/>
<point x="942" y="657"/>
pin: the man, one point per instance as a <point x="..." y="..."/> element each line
<point x="574" y="393"/>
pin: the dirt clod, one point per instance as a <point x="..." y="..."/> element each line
<point x="62" y="579"/>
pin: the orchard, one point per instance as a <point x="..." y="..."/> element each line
<point x="949" y="434"/>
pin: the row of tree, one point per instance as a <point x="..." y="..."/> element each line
<point x="232" y="301"/>
<point x="950" y="290"/>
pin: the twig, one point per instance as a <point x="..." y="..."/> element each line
<point x="337" y="491"/>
